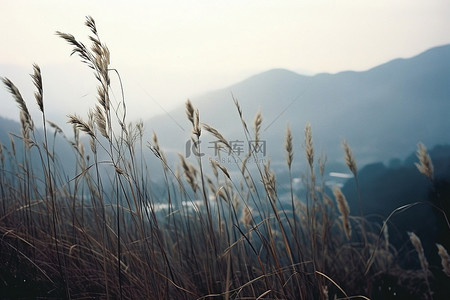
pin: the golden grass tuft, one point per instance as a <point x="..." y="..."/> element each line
<point x="349" y="158"/>
<point x="309" y="146"/>
<point x="425" y="165"/>
<point x="257" y="125"/>
<point x="288" y="147"/>
<point x="415" y="240"/>
<point x="445" y="259"/>
<point x="344" y="210"/>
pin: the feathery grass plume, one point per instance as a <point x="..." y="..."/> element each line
<point x="102" y="97"/>
<point x="425" y="165"/>
<point x="196" y="129"/>
<point x="344" y="210"/>
<point x="349" y="158"/>
<point x="98" y="60"/>
<point x="102" y="55"/>
<point x="257" y="124"/>
<point x="91" y="24"/>
<point x="26" y="128"/>
<point x="216" y="165"/>
<point x="269" y="181"/>
<point x="91" y="124"/>
<point x="288" y="147"/>
<point x="445" y="259"/>
<point x="81" y="125"/>
<point x="55" y="126"/>
<point x="214" y="168"/>
<point x="415" y="240"/>
<point x="157" y="150"/>
<point x="309" y="146"/>
<point x="211" y="185"/>
<point x="218" y="136"/>
<point x="190" y="112"/>
<point x="37" y="80"/>
<point x="101" y="122"/>
<point x="189" y="172"/>
<point x="78" y="48"/>
<point x="14" y="91"/>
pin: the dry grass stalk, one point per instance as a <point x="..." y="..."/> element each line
<point x="425" y="165"/>
<point x="246" y="218"/>
<point x="344" y="210"/>
<point x="2" y="156"/>
<point x="322" y="162"/>
<point x="349" y="158"/>
<point x="288" y="147"/>
<point x="244" y="161"/>
<point x="386" y="235"/>
<point x="445" y="259"/>
<point x="236" y="103"/>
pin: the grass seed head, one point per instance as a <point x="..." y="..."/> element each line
<point x="415" y="240"/>
<point x="288" y="147"/>
<point x="309" y="146"/>
<point x="425" y="165"/>
<point x="344" y="210"/>
<point x="445" y="259"/>
<point x="349" y="158"/>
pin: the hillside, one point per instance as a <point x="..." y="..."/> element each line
<point x="382" y="112"/>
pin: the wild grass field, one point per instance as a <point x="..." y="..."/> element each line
<point x="100" y="231"/>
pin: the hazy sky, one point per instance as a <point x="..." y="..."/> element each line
<point x="170" y="50"/>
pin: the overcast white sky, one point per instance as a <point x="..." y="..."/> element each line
<point x="170" y="50"/>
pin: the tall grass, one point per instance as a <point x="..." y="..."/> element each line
<point x="98" y="230"/>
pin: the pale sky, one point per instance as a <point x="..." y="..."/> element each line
<point x="168" y="51"/>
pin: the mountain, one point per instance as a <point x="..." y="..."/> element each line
<point x="7" y="126"/>
<point x="382" y="112"/>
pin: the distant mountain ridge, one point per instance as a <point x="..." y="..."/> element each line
<point x="382" y="112"/>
